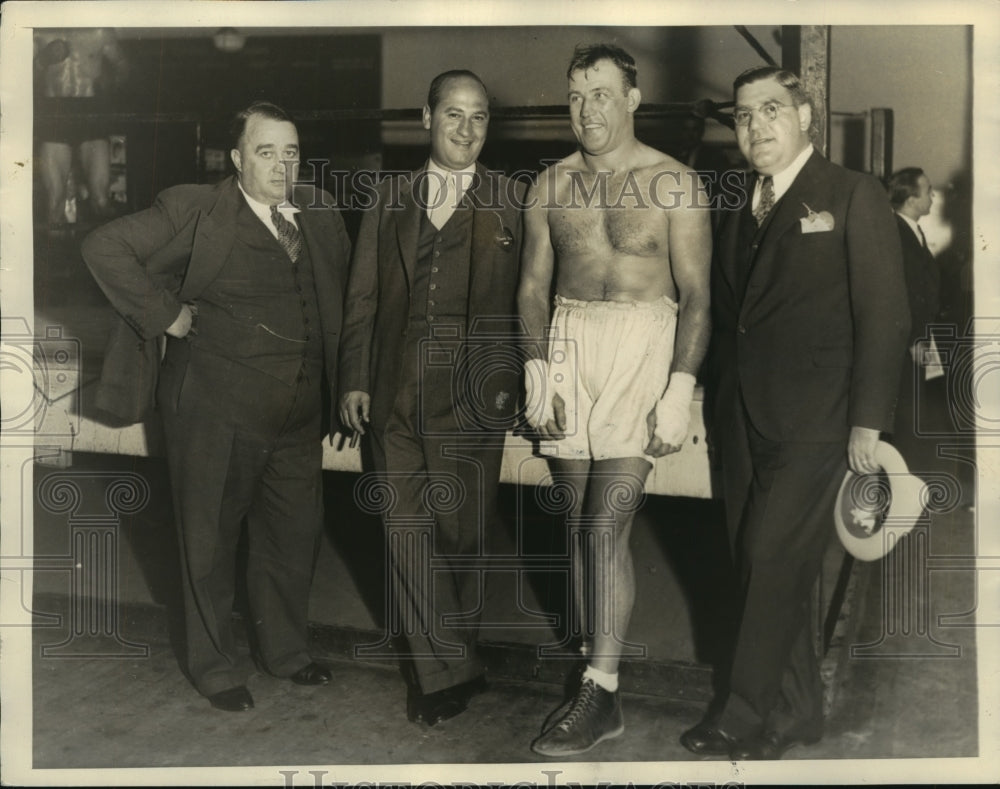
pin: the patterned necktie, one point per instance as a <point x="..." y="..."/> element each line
<point x="766" y="200"/>
<point x="288" y="234"/>
<point x="440" y="211"/>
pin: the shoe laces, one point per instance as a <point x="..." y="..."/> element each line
<point x="582" y="704"/>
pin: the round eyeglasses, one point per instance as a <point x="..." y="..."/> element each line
<point x="768" y="111"/>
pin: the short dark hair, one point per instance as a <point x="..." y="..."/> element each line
<point x="586" y="55"/>
<point x="904" y="184"/>
<point x="789" y="80"/>
<point x="263" y="108"/>
<point x="437" y="85"/>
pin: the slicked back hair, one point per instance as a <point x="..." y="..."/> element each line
<point x="265" y="109"/>
<point x="904" y="184"/>
<point x="438" y="84"/>
<point x="586" y="56"/>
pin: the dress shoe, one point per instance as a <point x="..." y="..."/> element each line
<point x="432" y="708"/>
<point x="236" y="699"/>
<point x="768" y="746"/>
<point x="311" y="674"/>
<point x="707" y="739"/>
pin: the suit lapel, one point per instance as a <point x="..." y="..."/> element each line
<point x="408" y="224"/>
<point x="213" y="239"/>
<point x="487" y="225"/>
<point x="787" y="212"/>
<point x="791" y="208"/>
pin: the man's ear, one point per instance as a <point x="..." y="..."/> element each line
<point x="634" y="98"/>
<point x="427" y="117"/>
<point x="805" y="116"/>
<point x="234" y="154"/>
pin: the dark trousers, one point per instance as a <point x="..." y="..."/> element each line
<point x="242" y="445"/>
<point x="779" y="503"/>
<point x="444" y="481"/>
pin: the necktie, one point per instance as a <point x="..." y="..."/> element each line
<point x="766" y="200"/>
<point x="441" y="209"/>
<point x="923" y="238"/>
<point x="288" y="234"/>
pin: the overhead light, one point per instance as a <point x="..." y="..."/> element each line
<point x="229" y="39"/>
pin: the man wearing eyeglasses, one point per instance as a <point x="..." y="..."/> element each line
<point x="810" y="324"/>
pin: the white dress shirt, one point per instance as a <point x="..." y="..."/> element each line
<point x="783" y="180"/>
<point x="263" y="211"/>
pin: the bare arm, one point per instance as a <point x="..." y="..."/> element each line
<point x="537" y="266"/>
<point x="544" y="409"/>
<point x="690" y="262"/>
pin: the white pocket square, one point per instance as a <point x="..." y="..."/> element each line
<point x="815" y="222"/>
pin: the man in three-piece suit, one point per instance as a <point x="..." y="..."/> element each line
<point x="910" y="194"/>
<point x="810" y="321"/>
<point x="248" y="290"/>
<point x="430" y="305"/>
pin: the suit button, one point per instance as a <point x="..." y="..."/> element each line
<point x="741" y="329"/>
<point x="434" y="269"/>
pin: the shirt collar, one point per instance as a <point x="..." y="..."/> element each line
<point x="263" y="210"/>
<point x="464" y="181"/>
<point x="783" y="180"/>
<point x="913" y="226"/>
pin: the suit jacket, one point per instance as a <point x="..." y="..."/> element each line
<point x="378" y="296"/>
<point x="923" y="281"/>
<point x="150" y="262"/>
<point x="816" y="341"/>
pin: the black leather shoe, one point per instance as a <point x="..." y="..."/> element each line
<point x="707" y="739"/>
<point x="233" y="700"/>
<point x="311" y="674"/>
<point x="432" y="708"/>
<point x="769" y="746"/>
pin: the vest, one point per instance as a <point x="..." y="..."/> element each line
<point x="261" y="310"/>
<point x="440" y="289"/>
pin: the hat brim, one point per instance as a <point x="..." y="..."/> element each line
<point x="905" y="508"/>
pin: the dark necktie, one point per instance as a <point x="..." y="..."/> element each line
<point x="766" y="200"/>
<point x="288" y="234"/>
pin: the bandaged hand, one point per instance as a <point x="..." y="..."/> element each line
<point x="537" y="396"/>
<point x="673" y="411"/>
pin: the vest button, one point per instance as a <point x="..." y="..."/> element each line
<point x="434" y="269"/>
<point x="741" y="329"/>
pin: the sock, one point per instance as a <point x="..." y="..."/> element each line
<point x="602" y="678"/>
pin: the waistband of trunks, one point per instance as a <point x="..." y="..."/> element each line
<point x="662" y="304"/>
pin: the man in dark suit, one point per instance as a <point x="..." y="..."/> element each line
<point x="810" y="323"/>
<point x="429" y="314"/>
<point x="249" y="291"/>
<point x="910" y="194"/>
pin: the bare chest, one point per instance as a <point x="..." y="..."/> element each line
<point x="607" y="215"/>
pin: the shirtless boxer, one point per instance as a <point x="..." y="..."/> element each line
<point x="625" y="231"/>
<point x="77" y="68"/>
